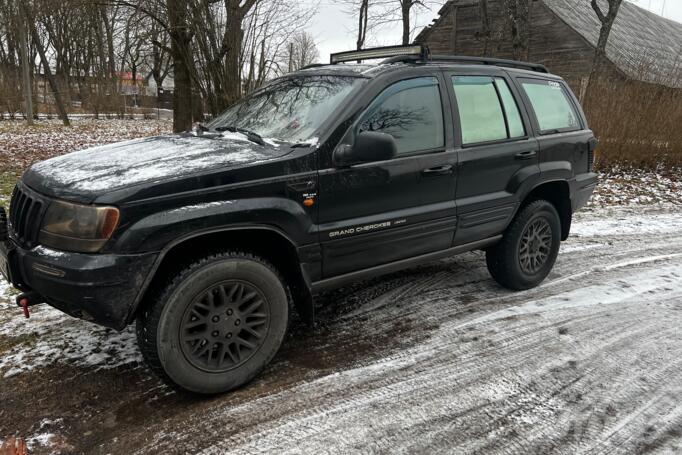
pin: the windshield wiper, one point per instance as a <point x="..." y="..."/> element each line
<point x="250" y="135"/>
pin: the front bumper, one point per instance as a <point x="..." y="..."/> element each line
<point x="102" y="288"/>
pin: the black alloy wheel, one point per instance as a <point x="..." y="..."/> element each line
<point x="535" y="246"/>
<point x="224" y="326"/>
<point x="216" y="323"/>
<point x="529" y="247"/>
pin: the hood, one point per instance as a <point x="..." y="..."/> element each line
<point x="95" y="171"/>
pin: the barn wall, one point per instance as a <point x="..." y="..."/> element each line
<point x="549" y="40"/>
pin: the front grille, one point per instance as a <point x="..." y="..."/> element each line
<point x="590" y="160"/>
<point x="25" y="216"/>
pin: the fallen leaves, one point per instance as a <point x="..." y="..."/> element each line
<point x="21" y="146"/>
<point x="14" y="446"/>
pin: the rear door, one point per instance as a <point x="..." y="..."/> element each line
<point x="379" y="212"/>
<point x="562" y="133"/>
<point x="497" y="152"/>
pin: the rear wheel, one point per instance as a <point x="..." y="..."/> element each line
<point x="529" y="248"/>
<point x="216" y="324"/>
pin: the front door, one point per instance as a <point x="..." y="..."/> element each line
<point x="379" y="212"/>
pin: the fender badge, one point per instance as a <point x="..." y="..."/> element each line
<point x="309" y="199"/>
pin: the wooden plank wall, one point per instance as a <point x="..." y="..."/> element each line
<point x="552" y="42"/>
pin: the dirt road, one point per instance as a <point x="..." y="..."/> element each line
<point x="436" y="359"/>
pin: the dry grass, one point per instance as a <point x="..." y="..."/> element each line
<point x="639" y="125"/>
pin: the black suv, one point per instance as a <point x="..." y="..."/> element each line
<point x="331" y="174"/>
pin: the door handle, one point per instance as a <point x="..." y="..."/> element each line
<point x="526" y="155"/>
<point x="440" y="170"/>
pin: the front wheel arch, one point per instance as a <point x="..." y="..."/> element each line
<point x="268" y="243"/>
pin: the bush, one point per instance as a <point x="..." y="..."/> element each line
<point x="639" y="125"/>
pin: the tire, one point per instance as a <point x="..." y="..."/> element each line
<point x="216" y="324"/>
<point x="529" y="248"/>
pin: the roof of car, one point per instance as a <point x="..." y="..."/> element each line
<point x="373" y="70"/>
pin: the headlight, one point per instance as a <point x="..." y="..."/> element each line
<point x="79" y="228"/>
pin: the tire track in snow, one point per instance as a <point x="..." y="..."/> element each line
<point x="373" y="386"/>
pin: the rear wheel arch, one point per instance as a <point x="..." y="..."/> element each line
<point x="558" y="193"/>
<point x="264" y="241"/>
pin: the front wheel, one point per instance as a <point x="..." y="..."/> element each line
<point x="216" y="324"/>
<point x="529" y="248"/>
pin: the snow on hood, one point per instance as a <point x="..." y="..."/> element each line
<point x="115" y="166"/>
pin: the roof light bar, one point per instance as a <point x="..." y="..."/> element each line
<point x="379" y="52"/>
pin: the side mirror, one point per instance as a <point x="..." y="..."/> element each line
<point x="369" y="146"/>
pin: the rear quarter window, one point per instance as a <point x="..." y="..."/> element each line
<point x="551" y="105"/>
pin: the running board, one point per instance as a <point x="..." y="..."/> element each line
<point x="378" y="270"/>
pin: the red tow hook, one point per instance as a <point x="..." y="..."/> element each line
<point x="23" y="303"/>
<point x="26" y="300"/>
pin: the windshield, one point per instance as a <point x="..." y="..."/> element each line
<point x="290" y="109"/>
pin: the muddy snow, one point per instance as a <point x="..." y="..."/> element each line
<point x="433" y="359"/>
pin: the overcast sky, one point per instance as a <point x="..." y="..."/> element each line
<point x="334" y="29"/>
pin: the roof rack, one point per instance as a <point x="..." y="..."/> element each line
<point x="491" y="61"/>
<point x="419" y="53"/>
<point x="473" y="60"/>
<point x="312" y="65"/>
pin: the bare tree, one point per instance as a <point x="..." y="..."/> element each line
<point x="302" y="51"/>
<point x="407" y="7"/>
<point x="215" y="50"/>
<point x="486" y="32"/>
<point x="158" y="57"/>
<point x="372" y="15"/>
<point x="236" y="12"/>
<point x="30" y="20"/>
<point x="269" y="31"/>
<point x="26" y="70"/>
<point x="363" y="20"/>
<point x="607" y="21"/>
<point x="181" y="37"/>
<point x="518" y="23"/>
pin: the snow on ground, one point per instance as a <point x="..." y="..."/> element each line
<point x="634" y="186"/>
<point x="630" y="220"/>
<point x="53" y="337"/>
<point x="435" y="359"/>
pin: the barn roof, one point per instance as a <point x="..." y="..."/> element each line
<point x="644" y="45"/>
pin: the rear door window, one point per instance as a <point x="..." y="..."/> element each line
<point x="487" y="109"/>
<point x="552" y="106"/>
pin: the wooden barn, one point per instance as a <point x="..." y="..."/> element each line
<point x="562" y="34"/>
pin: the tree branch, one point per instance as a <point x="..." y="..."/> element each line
<point x="598" y="10"/>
